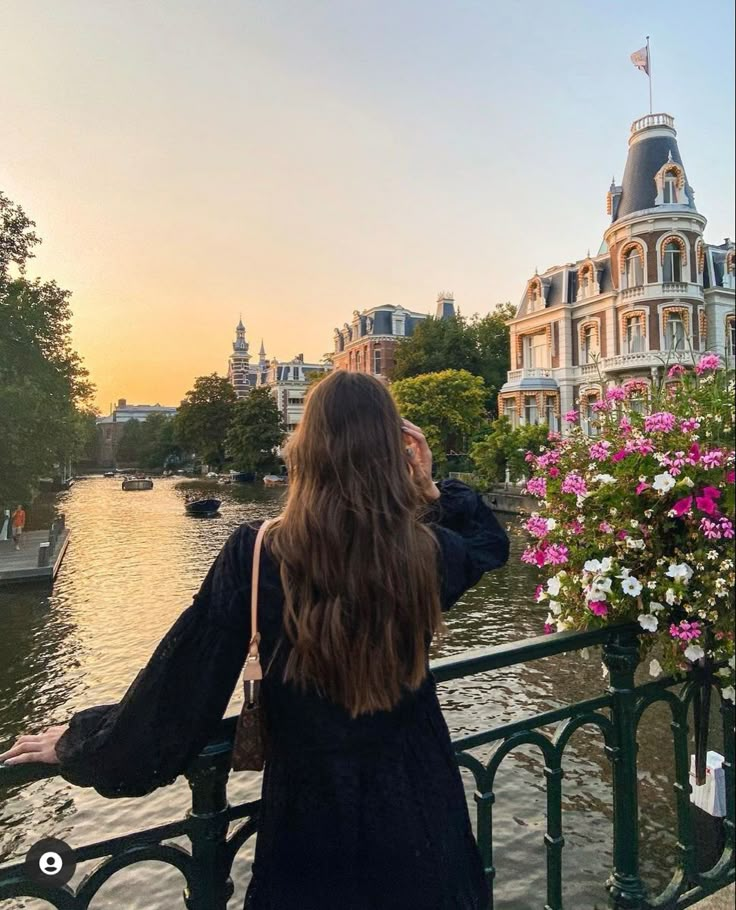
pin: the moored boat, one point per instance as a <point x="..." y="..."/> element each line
<point x="137" y="483"/>
<point x="275" y="480"/>
<point x="203" y="508"/>
<point x="242" y="476"/>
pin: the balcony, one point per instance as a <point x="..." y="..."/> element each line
<point x="647" y="359"/>
<point x="667" y="290"/>
<point x="529" y="373"/>
<point x="652" y="120"/>
<point x="217" y="830"/>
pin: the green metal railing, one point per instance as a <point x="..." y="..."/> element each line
<point x="615" y="713"/>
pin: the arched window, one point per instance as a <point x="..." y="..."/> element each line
<point x="634" y="268"/>
<point x="669" y="188"/>
<point x="635" y="334"/>
<point x="675" y="333"/>
<point x="672" y="262"/>
<point x="509" y="411"/>
<point x="377" y="360"/>
<point x="589" y="342"/>
<point x="586" y="284"/>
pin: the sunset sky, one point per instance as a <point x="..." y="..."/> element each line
<point x="295" y="160"/>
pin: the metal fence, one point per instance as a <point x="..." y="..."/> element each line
<point x="616" y="714"/>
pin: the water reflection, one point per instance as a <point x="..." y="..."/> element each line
<point x="133" y="564"/>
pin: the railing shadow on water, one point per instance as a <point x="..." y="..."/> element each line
<point x="615" y="713"/>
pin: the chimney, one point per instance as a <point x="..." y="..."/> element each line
<point x="122" y="403"/>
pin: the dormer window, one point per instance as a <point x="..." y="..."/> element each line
<point x="398" y="324"/>
<point x="669" y="190"/>
<point x="587" y="281"/>
<point x="672" y="262"/>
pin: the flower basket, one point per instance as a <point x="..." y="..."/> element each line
<point x="636" y="523"/>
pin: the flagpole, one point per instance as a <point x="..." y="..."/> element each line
<point x="649" y="68"/>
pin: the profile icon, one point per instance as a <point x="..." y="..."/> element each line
<point x="50" y="861"/>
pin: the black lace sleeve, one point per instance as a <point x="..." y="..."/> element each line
<point x="472" y="542"/>
<point x="176" y="702"/>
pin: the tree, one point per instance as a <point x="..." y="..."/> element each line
<point x="129" y="447"/>
<point x="44" y="388"/>
<point x="204" y="418"/>
<point x="479" y="345"/>
<point x="449" y="406"/>
<point x="506" y="447"/>
<point x="256" y="430"/>
<point x="316" y="376"/>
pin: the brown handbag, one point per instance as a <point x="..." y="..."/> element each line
<point x="249" y="752"/>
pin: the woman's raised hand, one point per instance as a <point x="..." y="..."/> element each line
<point x="39" y="747"/>
<point x="420" y="459"/>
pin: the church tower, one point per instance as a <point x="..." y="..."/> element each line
<point x="238" y="367"/>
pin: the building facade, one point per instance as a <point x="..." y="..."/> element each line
<point x="655" y="294"/>
<point x="110" y="428"/>
<point x="289" y="384"/>
<point x="242" y="375"/>
<point x="368" y="342"/>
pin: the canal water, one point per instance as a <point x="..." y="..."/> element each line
<point x="134" y="562"/>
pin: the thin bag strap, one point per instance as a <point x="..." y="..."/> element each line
<point x="252" y="669"/>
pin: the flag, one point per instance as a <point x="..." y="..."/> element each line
<point x="640" y="59"/>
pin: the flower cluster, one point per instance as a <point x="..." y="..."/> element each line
<point x="636" y="522"/>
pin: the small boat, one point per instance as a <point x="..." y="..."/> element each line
<point x="137" y="483"/>
<point x="275" y="480"/>
<point x="242" y="476"/>
<point x="109" y="474"/>
<point x="203" y="508"/>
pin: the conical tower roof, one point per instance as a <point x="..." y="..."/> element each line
<point x="652" y="144"/>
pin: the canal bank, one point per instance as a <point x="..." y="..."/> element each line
<point x="133" y="564"/>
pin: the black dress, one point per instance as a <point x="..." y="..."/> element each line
<point x="357" y="814"/>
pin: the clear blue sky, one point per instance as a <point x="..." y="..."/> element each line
<point x="296" y="160"/>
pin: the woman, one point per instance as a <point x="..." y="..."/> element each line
<point x="363" y="806"/>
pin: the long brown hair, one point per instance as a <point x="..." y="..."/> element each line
<point x="358" y="566"/>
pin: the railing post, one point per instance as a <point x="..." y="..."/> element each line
<point x="210" y="886"/>
<point x="625" y="887"/>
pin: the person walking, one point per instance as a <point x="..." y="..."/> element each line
<point x="363" y="807"/>
<point x="18" y="523"/>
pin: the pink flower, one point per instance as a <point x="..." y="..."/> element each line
<point x="661" y="422"/>
<point x="605" y="528"/>
<point x="710" y="529"/>
<point x="711" y="492"/>
<point x="731" y="476"/>
<point x="641" y="487"/>
<point x="599" y="406"/>
<point x="554" y="472"/>
<point x="622" y="535"/>
<point x="598" y="607"/>
<point x="574" y="483"/>
<point x="624" y="425"/>
<point x="713" y="459"/>
<point x="572" y="417"/>
<point x="685" y="630"/>
<point x="616" y="393"/>
<point x="537" y="526"/>
<point x="576" y="527"/>
<point x="708" y="362"/>
<point x="534" y="556"/>
<point x="689" y="425"/>
<point x="556" y="555"/>
<point x="548" y="628"/>
<point x="682" y="506"/>
<point x="693" y="455"/>
<point x="537" y="486"/>
<point x="635" y="386"/>
<point x="599" y="451"/>
<point x="727" y="528"/>
<point x="620" y="455"/>
<point x="674" y="371"/>
<point x="538" y="592"/>
<point x="529" y="457"/>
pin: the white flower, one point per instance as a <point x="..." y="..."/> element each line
<point x="655" y="607"/>
<point x="694" y="652"/>
<point x="663" y="483"/>
<point x="680" y="572"/>
<point x="554" y="607"/>
<point x="605" y="478"/>
<point x="604" y="670"/>
<point x="561" y="625"/>
<point x="553" y="586"/>
<point x="688" y="482"/>
<point x="732" y="661"/>
<point x="648" y="622"/>
<point x="634" y="544"/>
<point x="728" y="694"/>
<point x="634" y="523"/>
<point x="606" y="564"/>
<point x="655" y="668"/>
<point x="631" y="586"/>
<point x="596" y="596"/>
<point x="601" y="584"/>
<point x="551" y="524"/>
<point x="593" y="566"/>
<point x="670" y="596"/>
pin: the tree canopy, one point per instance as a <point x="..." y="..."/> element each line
<point x="255" y="432"/>
<point x="449" y="406"/>
<point x="479" y="345"/>
<point x="149" y="443"/>
<point x="506" y="447"/>
<point x="204" y="418"/>
<point x="44" y="388"/>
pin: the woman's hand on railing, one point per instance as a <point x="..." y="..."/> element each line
<point x="38" y="747"/>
